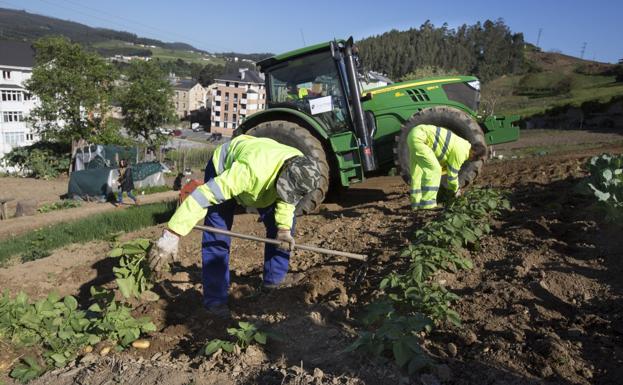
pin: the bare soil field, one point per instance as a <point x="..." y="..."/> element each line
<point x="542" y="305"/>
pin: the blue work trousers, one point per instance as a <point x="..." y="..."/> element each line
<point x="215" y="249"/>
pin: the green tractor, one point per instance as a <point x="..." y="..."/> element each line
<point x="315" y="103"/>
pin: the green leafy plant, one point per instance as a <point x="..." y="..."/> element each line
<point x="45" y="160"/>
<point x="132" y="275"/>
<point x="28" y="369"/>
<point x="245" y="334"/>
<point x="606" y="183"/>
<point x="65" y="204"/>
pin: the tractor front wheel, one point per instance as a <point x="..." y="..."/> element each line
<point x="294" y="135"/>
<point x="455" y="120"/>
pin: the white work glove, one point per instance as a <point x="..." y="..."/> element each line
<point x="458" y="193"/>
<point x="163" y="251"/>
<point x="287" y="241"/>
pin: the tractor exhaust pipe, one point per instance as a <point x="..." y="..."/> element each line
<point x="366" y="150"/>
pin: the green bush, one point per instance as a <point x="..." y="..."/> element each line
<point x="45" y="160"/>
<point x="64" y="204"/>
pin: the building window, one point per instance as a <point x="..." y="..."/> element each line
<point x="218" y="103"/>
<point x="27" y="96"/>
<point x="218" y="93"/>
<point x="12" y="116"/>
<point x="13" y="138"/>
<point x="244" y="96"/>
<point x="218" y="113"/>
<point x="233" y="125"/>
<point x="233" y="117"/>
<point x="226" y="117"/>
<point x="226" y="84"/>
<point x="243" y="106"/>
<point x="11" y="96"/>
<point x="236" y="85"/>
<point x="217" y="123"/>
<point x="30" y="137"/>
<point x="6" y="75"/>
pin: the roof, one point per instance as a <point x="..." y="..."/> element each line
<point x="297" y="52"/>
<point x="249" y="77"/>
<point x="184" y="84"/>
<point x="16" y="54"/>
<point x="15" y="86"/>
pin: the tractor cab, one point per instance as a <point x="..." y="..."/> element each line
<point x="321" y="81"/>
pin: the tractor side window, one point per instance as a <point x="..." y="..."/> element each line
<point x="311" y="84"/>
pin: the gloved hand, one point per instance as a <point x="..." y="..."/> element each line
<point x="287" y="241"/>
<point x="163" y="251"/>
<point x="458" y="193"/>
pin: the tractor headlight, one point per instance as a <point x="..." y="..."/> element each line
<point x="475" y="84"/>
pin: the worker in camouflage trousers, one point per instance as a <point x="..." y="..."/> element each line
<point x="247" y="171"/>
<point x="431" y="150"/>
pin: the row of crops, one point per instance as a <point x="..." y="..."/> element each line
<point x="55" y="331"/>
<point x="413" y="301"/>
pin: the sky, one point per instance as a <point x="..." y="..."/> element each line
<point x="279" y="26"/>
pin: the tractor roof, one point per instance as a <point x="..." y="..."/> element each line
<point x="269" y="62"/>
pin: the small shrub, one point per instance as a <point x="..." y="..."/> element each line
<point x="44" y="160"/>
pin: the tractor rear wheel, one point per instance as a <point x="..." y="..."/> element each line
<point x="457" y="121"/>
<point x="292" y="134"/>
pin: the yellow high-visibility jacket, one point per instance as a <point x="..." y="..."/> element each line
<point x="432" y="149"/>
<point x="247" y="169"/>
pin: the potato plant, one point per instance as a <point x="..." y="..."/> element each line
<point x="413" y="301"/>
<point x="244" y="335"/>
<point x="606" y="183"/>
<point x="61" y="330"/>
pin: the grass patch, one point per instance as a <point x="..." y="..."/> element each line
<point x="152" y="190"/>
<point x="39" y="243"/>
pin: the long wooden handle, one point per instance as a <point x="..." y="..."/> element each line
<point x="359" y="257"/>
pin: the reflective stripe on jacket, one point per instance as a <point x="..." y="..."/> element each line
<point x="448" y="150"/>
<point x="247" y="169"/>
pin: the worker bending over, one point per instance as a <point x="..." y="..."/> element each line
<point x="252" y="172"/>
<point x="432" y="149"/>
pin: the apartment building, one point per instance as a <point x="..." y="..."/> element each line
<point x="188" y="95"/>
<point x="236" y="96"/>
<point x="16" y="62"/>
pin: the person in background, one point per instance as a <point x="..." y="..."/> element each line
<point x="126" y="183"/>
<point x="431" y="150"/>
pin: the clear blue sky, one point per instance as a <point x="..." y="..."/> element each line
<point x="275" y="26"/>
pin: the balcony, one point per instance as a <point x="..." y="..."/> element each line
<point x="243" y="101"/>
<point x="217" y="108"/>
<point x="217" y="98"/>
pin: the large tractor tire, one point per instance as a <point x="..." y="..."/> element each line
<point x="292" y="134"/>
<point x="455" y="120"/>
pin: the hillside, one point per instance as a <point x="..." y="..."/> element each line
<point x="22" y="25"/>
<point x="551" y="80"/>
<point x="25" y="26"/>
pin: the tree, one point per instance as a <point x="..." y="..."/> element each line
<point x="208" y="73"/>
<point x="75" y="88"/>
<point x="146" y="102"/>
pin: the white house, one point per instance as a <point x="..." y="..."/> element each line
<point x="16" y="62"/>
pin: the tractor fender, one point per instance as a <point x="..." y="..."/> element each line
<point x="287" y="114"/>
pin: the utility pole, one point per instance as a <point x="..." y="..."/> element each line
<point x="538" y="39"/>
<point x="302" y="36"/>
<point x="583" y="50"/>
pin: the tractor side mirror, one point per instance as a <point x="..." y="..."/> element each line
<point x="366" y="97"/>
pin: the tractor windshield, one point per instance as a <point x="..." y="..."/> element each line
<point x="311" y="84"/>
